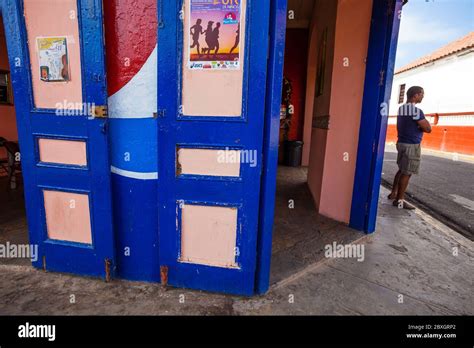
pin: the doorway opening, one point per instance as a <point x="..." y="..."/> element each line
<point x="13" y="225"/>
<point x="323" y="86"/>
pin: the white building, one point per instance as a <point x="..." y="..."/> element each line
<point x="447" y="76"/>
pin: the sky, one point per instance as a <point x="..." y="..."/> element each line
<point x="430" y="24"/>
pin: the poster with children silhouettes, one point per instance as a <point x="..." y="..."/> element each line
<point x="214" y="29"/>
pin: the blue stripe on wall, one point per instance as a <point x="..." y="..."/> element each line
<point x="133" y="144"/>
<point x="136" y="227"/>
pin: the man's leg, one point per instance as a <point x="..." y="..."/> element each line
<point x="402" y="186"/>
<point x="394" y="192"/>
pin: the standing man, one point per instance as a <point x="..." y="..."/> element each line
<point x="411" y="124"/>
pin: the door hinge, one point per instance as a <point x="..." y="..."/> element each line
<point x="159" y="113"/>
<point x="382" y="77"/>
<point x="164" y="275"/>
<point x="104" y="127"/>
<point x="161" y="22"/>
<point x="100" y="111"/>
<point x="108" y="264"/>
<point x="44" y="263"/>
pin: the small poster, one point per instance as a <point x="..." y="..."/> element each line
<point x="214" y="32"/>
<point x="53" y="59"/>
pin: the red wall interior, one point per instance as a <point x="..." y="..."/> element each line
<point x="296" y="56"/>
<point x="8" y="128"/>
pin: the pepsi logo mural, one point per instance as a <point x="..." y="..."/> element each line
<point x="131" y="50"/>
<point x="131" y="39"/>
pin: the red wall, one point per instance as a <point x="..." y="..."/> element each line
<point x="296" y="55"/>
<point x="130" y="35"/>
<point x="459" y="139"/>
<point x="7" y="112"/>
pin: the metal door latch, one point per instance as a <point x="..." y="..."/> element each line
<point x="100" y="111"/>
<point x="159" y="113"/>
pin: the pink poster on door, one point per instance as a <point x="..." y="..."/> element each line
<point x="214" y="29"/>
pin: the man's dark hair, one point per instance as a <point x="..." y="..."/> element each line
<point x="412" y="91"/>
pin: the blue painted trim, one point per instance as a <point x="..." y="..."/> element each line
<point x="270" y="143"/>
<point x="39" y="163"/>
<point x="64" y="257"/>
<point x="240" y="222"/>
<point x="42" y="213"/>
<point x="208" y="177"/>
<point x="380" y="58"/>
<point x="173" y="129"/>
<point x="11" y="12"/>
<point x="206" y="146"/>
<point x="210" y="147"/>
<point x="71" y="244"/>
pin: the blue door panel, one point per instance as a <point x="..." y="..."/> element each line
<point x="92" y="180"/>
<point x="234" y="133"/>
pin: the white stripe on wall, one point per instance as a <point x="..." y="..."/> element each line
<point x="134" y="175"/>
<point x="138" y="98"/>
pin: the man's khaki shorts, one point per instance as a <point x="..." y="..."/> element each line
<point x="409" y="156"/>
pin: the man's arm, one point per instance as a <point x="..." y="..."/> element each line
<point x="424" y="125"/>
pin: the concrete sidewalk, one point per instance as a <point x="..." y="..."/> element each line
<point x="410" y="267"/>
<point x="443" y="188"/>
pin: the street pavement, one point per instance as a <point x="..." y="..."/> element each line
<point x="444" y="187"/>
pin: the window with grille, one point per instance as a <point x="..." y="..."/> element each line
<point x="401" y="95"/>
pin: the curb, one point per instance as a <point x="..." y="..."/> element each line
<point x="448" y="221"/>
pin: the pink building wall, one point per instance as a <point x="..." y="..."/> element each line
<point x="333" y="154"/>
<point x="324" y="17"/>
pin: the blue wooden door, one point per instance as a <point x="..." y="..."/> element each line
<point x="210" y="142"/>
<point x="63" y="141"/>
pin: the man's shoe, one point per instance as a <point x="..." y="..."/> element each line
<point x="401" y="204"/>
